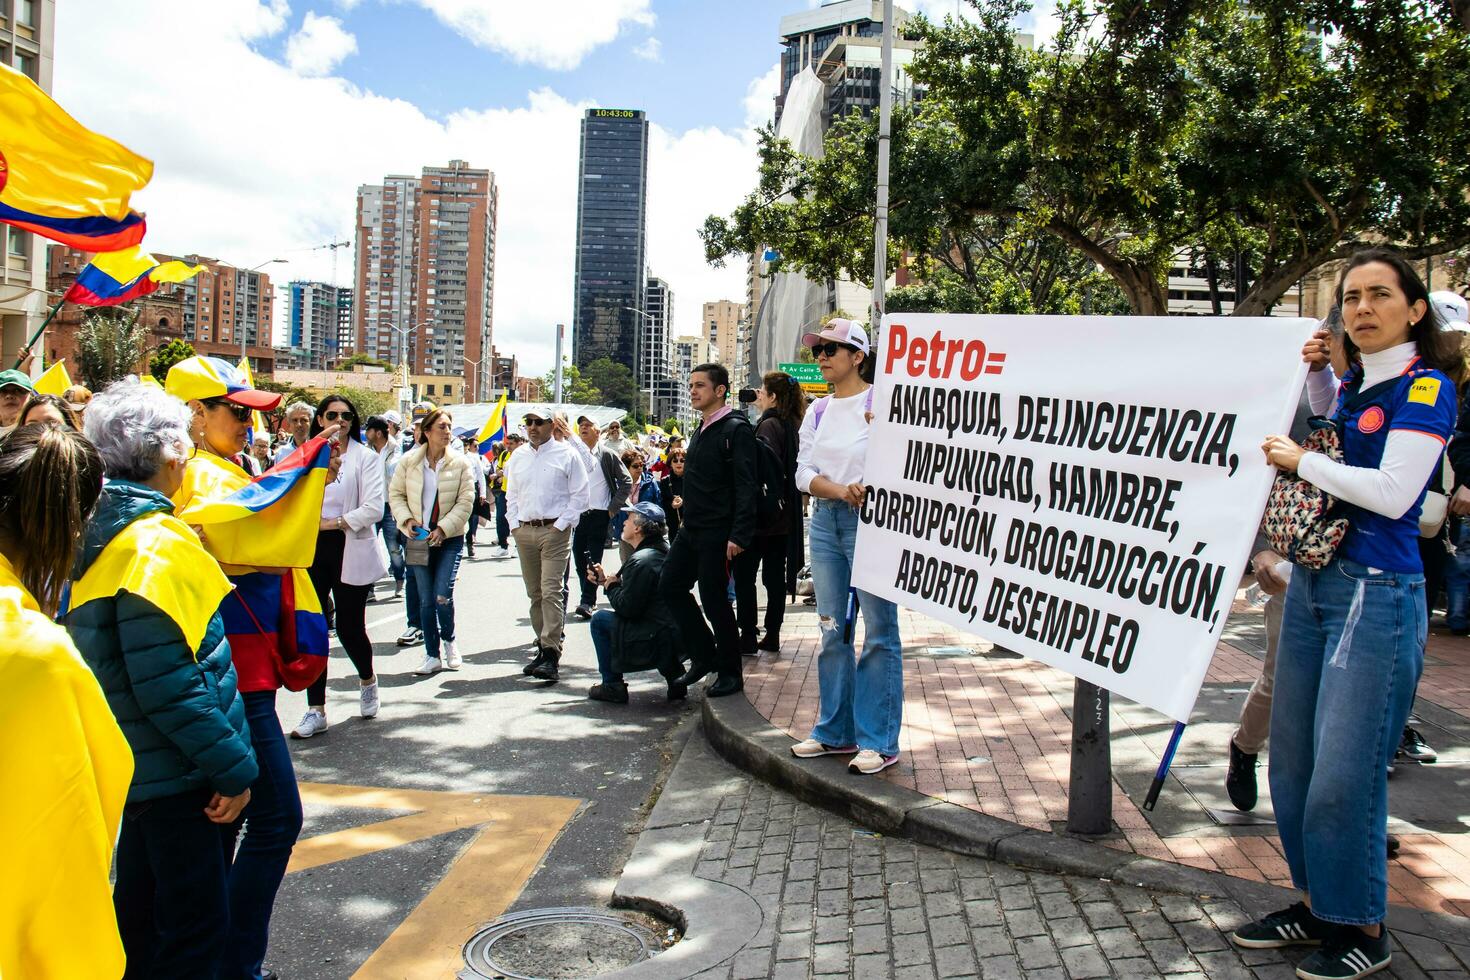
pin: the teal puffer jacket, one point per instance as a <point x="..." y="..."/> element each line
<point x="179" y="708"/>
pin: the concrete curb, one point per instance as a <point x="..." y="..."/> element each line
<point x="745" y="738"/>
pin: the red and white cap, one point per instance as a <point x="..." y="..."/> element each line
<point x="843" y="331"/>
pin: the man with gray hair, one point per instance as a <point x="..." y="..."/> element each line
<point x="298" y="424"/>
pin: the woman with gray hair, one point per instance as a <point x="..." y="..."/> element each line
<point x="144" y="613"/>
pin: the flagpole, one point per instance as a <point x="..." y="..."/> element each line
<point x="40" y="330"/>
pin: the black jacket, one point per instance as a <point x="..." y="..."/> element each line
<point x="1459" y="451"/>
<point x="645" y="635"/>
<point x="669" y="487"/>
<point x="720" y="478"/>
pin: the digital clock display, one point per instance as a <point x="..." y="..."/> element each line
<point x="617" y="113"/>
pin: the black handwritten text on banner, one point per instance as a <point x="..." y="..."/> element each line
<point x="1083" y="490"/>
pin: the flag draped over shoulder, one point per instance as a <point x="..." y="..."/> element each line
<point x="493" y="431"/>
<point x="116" y="277"/>
<point x="60" y="179"/>
<point x="271" y="521"/>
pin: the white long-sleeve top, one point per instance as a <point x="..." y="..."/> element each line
<point x="545" y="483"/>
<point x="1409" y="456"/>
<point x="838" y="448"/>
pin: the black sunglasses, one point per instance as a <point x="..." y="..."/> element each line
<point x="538" y="421"/>
<point x="241" y="412"/>
<point x="830" y="348"/>
<point x="337" y="416"/>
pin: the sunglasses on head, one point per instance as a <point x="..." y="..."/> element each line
<point x="241" y="412"/>
<point x="337" y="416"/>
<point x="830" y="348"/>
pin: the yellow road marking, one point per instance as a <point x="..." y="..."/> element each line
<point x="479" y="885"/>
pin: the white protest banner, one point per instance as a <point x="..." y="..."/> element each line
<point x="1083" y="490"/>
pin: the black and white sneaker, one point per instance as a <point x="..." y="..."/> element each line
<point x="1295" y="926"/>
<point x="1350" y="953"/>
<point x="1414" y="747"/>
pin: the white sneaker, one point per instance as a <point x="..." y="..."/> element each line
<point x="369" y="698"/>
<point x="429" y="666"/>
<point x="502" y="552"/>
<point x="869" y="762"/>
<point x="411" y="637"/>
<point x="811" y="749"/>
<point x="452" y="659"/>
<point x="312" y="723"/>
<point x="398" y="590"/>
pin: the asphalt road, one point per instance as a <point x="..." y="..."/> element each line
<point x="485" y="729"/>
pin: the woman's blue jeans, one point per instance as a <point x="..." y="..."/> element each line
<point x="272" y="822"/>
<point x="1352" y="648"/>
<point x="862" y="697"/>
<point x="435" y="586"/>
<point x="1457" y="576"/>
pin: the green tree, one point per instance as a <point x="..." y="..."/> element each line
<point x="366" y="360"/>
<point x="1141" y="132"/>
<point x="109" y="348"/>
<point x="615" y="385"/>
<point x="575" y="389"/>
<point x="167" y="356"/>
<point x="670" y="424"/>
<point x="367" y="401"/>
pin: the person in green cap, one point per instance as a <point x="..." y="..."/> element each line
<point x="15" y="388"/>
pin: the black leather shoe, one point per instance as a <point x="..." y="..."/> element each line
<point x="611" y="693"/>
<point x="1240" y="778"/>
<point x="531" y="667"/>
<point x="693" y="675"/>
<point x="748" y="646"/>
<point x="547" y="671"/>
<point x="724" y="686"/>
<point x="771" y="643"/>
<point x="676" y="691"/>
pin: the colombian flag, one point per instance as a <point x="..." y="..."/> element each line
<point x="60" y="179"/>
<point x="116" y="277"/>
<point x="492" y="433"/>
<point x="268" y="522"/>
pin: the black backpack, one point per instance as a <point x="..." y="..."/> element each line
<point x="774" y="484"/>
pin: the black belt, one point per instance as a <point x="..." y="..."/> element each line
<point x="540" y="522"/>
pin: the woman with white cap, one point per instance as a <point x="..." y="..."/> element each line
<point x="861" y="698"/>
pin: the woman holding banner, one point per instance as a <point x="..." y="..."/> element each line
<point x="861" y="698"/>
<point x="1352" y="640"/>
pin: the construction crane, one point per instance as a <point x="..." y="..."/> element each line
<point x="333" y="246"/>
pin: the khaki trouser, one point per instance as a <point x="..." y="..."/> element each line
<point x="544" y="552"/>
<point x="1255" y="715"/>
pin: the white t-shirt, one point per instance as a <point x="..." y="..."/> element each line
<point x="431" y="488"/>
<point x="334" y="504"/>
<point x="837" y="449"/>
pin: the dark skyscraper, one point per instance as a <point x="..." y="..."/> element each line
<point x="612" y="185"/>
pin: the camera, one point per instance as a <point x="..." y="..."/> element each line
<point x="747" y="396"/>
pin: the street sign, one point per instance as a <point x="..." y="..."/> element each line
<point x="809" y="376"/>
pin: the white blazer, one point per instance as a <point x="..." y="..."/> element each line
<point x="364" y="559"/>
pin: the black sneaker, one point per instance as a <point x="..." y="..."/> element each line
<point x="1240" y="778"/>
<point x="1348" y="954"/>
<point x="1295" y="926"/>
<point x="1414" y="747"/>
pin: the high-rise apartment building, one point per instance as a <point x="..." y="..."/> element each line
<point x="314" y="324"/>
<point x="612" y="251"/>
<point x="225" y="305"/>
<point x="425" y="271"/>
<point x="721" y="327"/>
<point x="26" y="44"/>
<point x="656" y="349"/>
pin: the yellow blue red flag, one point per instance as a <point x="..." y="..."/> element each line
<point x="492" y="433"/>
<point x="116" y="277"/>
<point x="60" y="179"/>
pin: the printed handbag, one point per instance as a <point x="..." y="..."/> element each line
<point x="415" y="551"/>
<point x="1303" y="523"/>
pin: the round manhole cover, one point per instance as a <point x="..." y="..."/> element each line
<point x="559" y="944"/>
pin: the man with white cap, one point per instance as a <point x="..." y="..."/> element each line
<point x="546" y="493"/>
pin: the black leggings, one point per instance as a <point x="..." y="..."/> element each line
<point x="770" y="554"/>
<point x="351" y="610"/>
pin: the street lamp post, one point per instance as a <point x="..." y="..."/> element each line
<point x="648" y="391"/>
<point x="474" y="385"/>
<point x="256" y="268"/>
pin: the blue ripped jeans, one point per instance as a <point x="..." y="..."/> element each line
<point x="862" y="697"/>
<point x="1352" y="648"/>
<point x="434" y="587"/>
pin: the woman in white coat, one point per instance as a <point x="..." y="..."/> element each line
<point x="350" y="555"/>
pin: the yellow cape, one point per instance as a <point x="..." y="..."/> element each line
<point x="159" y="558"/>
<point x="64" y="774"/>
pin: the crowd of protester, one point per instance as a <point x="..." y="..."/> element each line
<point x="167" y="669"/>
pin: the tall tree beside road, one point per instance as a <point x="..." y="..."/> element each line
<point x="109" y="347"/>
<point x="616" y="384"/>
<point x="1285" y="133"/>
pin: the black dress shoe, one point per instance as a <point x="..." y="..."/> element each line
<point x="531" y="667"/>
<point x="676" y="691"/>
<point x="547" y="670"/>
<point x="748" y="646"/>
<point x="724" y="686"/>
<point x="693" y="675"/>
<point x="611" y="693"/>
<point x="1240" y="778"/>
<point x="269" y="975"/>
<point x="771" y="643"/>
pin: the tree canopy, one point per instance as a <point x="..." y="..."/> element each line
<point x="167" y="356"/>
<point x="1285" y="134"/>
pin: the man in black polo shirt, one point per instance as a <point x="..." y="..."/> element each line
<point x="718" y="524"/>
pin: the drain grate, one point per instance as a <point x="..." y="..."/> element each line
<point x="558" y="944"/>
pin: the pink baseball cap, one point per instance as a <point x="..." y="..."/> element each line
<point x="843" y="331"/>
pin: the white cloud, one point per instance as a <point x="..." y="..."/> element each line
<point x="760" y="97"/>
<point x="530" y="33"/>
<point x="289" y="182"/>
<point x="319" y="46"/>
<point x="649" y="50"/>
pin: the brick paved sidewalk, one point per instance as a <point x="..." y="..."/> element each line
<point x="841" y="902"/>
<point x="993" y="735"/>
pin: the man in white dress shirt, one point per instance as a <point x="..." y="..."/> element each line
<point x="546" y="493"/>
